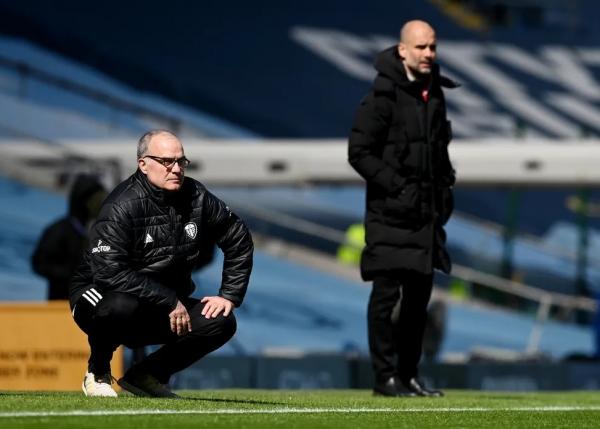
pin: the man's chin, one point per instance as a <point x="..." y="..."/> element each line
<point x="173" y="186"/>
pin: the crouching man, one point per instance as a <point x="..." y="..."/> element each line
<point x="134" y="284"/>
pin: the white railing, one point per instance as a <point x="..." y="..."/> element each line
<point x="545" y="300"/>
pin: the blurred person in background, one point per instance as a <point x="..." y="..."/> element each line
<point x="398" y="144"/>
<point x="60" y="247"/>
<point x="134" y="284"/>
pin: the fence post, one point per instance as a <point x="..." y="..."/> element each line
<point x="541" y="317"/>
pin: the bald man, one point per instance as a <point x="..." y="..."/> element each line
<point x="134" y="284"/>
<point x="399" y="145"/>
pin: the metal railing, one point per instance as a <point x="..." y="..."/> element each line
<point x="57" y="172"/>
<point x="545" y="300"/>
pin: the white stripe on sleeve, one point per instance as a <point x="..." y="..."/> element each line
<point x="96" y="293"/>
<point x="89" y="299"/>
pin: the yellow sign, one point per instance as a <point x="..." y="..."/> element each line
<point x="41" y="348"/>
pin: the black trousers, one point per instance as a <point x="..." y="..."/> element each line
<point x="396" y="342"/>
<point x="119" y="318"/>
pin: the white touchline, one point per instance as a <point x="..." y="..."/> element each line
<point x="141" y="412"/>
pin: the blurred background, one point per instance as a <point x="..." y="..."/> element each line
<point x="262" y="95"/>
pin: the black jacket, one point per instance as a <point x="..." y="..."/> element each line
<point x="399" y="146"/>
<point x="59" y="250"/>
<point x="147" y="241"/>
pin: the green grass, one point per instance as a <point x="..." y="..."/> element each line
<point x="302" y="409"/>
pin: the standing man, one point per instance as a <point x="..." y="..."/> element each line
<point x="399" y="145"/>
<point x="134" y="284"/>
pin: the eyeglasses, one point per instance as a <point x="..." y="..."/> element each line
<point x="183" y="162"/>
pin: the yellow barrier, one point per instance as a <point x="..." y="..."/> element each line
<point x="41" y="348"/>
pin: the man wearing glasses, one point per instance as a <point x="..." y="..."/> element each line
<point x="134" y="284"/>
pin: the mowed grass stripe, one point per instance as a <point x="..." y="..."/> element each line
<point x="141" y="412"/>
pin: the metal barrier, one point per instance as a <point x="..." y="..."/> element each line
<point x="545" y="300"/>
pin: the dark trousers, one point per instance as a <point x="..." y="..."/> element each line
<point x="396" y="342"/>
<point x="123" y="319"/>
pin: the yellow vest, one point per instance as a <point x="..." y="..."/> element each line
<point x="349" y="252"/>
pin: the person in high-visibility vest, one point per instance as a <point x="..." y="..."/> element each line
<point x="349" y="252"/>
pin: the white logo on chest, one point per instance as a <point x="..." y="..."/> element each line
<point x="191" y="229"/>
<point x="100" y="248"/>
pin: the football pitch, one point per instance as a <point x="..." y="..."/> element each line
<point x="302" y="409"/>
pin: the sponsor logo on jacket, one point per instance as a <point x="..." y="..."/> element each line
<point x="100" y="248"/>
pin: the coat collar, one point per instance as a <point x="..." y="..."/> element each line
<point x="159" y="195"/>
<point x="391" y="73"/>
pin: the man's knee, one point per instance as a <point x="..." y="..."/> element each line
<point x="220" y="326"/>
<point x="225" y="326"/>
<point x="229" y="325"/>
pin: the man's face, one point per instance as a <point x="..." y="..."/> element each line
<point x="418" y="49"/>
<point x="163" y="145"/>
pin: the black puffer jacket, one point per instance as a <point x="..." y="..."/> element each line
<point x="147" y="242"/>
<point x="399" y="146"/>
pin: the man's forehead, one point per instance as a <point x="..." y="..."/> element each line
<point x="165" y="142"/>
<point x="421" y="37"/>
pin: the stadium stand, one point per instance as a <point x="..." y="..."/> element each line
<point x="301" y="76"/>
<point x="548" y="263"/>
<point x="48" y="96"/>
<point x="507" y="89"/>
<point x="24" y="212"/>
<point x="287" y="300"/>
<point x="310" y="63"/>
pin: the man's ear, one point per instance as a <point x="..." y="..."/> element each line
<point x="142" y="165"/>
<point x="401" y="49"/>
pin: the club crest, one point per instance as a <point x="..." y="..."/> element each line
<point x="191" y="229"/>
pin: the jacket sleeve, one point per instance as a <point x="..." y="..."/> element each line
<point x="369" y="131"/>
<point x="111" y="239"/>
<point x="447" y="178"/>
<point x="234" y="239"/>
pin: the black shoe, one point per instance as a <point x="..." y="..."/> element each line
<point x="391" y="387"/>
<point x="143" y="384"/>
<point x="416" y="386"/>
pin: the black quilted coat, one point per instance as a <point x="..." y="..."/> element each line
<point x="399" y="145"/>
<point x="146" y="242"/>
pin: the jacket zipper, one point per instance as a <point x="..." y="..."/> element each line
<point x="429" y="163"/>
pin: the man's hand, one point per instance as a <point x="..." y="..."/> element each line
<point x="214" y="305"/>
<point x="180" y="320"/>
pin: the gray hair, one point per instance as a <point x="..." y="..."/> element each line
<point x="144" y="141"/>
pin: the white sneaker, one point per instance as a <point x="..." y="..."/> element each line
<point x="98" y="385"/>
